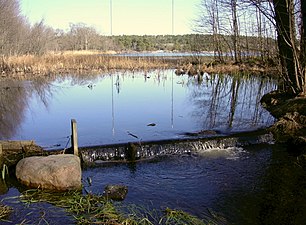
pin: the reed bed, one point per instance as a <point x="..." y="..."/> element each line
<point x="227" y="68"/>
<point x="18" y="66"/>
<point x="91" y="62"/>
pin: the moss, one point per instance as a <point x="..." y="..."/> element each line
<point x="291" y="114"/>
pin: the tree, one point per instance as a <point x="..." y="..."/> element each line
<point x="303" y="45"/>
<point x="40" y="39"/>
<point x="12" y="27"/>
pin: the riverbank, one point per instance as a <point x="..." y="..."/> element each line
<point x="290" y="111"/>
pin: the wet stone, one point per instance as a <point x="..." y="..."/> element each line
<point x="115" y="192"/>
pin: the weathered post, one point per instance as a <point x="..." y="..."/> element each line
<point x="74" y="137"/>
<point x="1" y="150"/>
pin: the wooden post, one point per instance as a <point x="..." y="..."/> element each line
<point x="1" y="150"/>
<point x="74" y="137"/>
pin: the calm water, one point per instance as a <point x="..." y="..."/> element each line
<point x="109" y="108"/>
<point x="251" y="185"/>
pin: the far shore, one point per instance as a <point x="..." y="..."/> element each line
<point x="95" y="62"/>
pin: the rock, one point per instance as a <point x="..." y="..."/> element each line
<point x="290" y="111"/>
<point x="3" y="187"/>
<point x="297" y="144"/>
<point x="116" y="192"/>
<point x="289" y="127"/>
<point x="54" y="172"/>
<point x="280" y="103"/>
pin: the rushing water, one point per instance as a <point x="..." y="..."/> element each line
<point x="124" y="107"/>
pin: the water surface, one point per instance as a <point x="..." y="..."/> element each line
<point x="251" y="185"/>
<point x="124" y="107"/>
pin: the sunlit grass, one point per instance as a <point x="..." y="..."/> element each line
<point x="4" y="211"/>
<point x="76" y="63"/>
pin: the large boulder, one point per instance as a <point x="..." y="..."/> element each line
<point x="54" y="172"/>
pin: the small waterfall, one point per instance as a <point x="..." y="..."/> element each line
<point x="148" y="150"/>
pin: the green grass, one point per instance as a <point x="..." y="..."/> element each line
<point x="96" y="209"/>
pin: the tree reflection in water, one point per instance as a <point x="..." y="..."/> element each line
<point x="230" y="102"/>
<point x="14" y="97"/>
<point x="13" y="101"/>
<point x="177" y="104"/>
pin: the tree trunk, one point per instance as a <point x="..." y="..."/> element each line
<point x="286" y="54"/>
<point x="236" y="31"/>
<point x="303" y="45"/>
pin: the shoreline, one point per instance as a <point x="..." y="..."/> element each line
<point x="290" y="112"/>
<point x="84" y="62"/>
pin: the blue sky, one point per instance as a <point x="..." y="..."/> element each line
<point x="129" y="16"/>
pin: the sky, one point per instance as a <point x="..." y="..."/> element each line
<point x="129" y="17"/>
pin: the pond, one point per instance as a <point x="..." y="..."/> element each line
<point x="260" y="184"/>
<point x="123" y="107"/>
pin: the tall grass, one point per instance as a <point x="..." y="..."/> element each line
<point x="85" y="62"/>
<point x="18" y="66"/>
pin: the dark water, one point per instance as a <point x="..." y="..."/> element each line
<point x="255" y="185"/>
<point x="260" y="184"/>
<point x="117" y="108"/>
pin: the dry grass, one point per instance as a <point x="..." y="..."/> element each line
<point x="85" y="62"/>
<point x="229" y="67"/>
<point x="4" y="211"/>
<point x="75" y="62"/>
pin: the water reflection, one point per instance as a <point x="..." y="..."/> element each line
<point x="231" y="103"/>
<point x="110" y="107"/>
<point x="11" y="104"/>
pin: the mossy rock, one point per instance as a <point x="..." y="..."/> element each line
<point x="291" y="114"/>
<point x="115" y="192"/>
<point x="280" y="103"/>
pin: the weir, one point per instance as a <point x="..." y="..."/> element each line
<point x="135" y="151"/>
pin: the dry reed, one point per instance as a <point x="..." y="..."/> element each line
<point x="229" y="67"/>
<point x="18" y="66"/>
<point x="4" y="211"/>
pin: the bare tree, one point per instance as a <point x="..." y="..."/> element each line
<point x="210" y="15"/>
<point x="83" y="37"/>
<point x="12" y="26"/>
<point x="40" y="39"/>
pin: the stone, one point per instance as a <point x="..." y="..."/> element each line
<point x="55" y="172"/>
<point x="289" y="127"/>
<point x="115" y="192"/>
